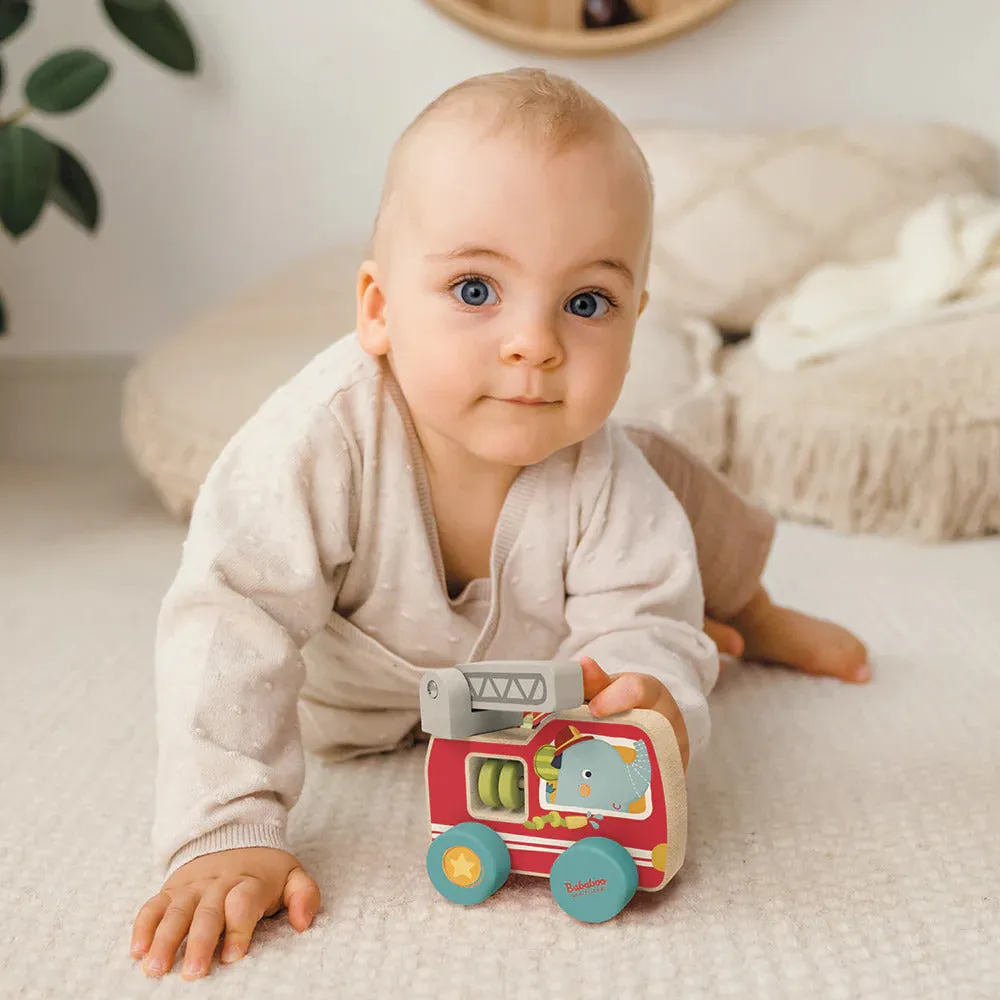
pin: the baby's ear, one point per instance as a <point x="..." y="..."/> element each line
<point x="372" y="332"/>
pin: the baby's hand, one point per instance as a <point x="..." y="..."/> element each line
<point x="229" y="891"/>
<point x="611" y="695"/>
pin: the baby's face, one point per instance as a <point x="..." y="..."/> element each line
<point x="508" y="291"/>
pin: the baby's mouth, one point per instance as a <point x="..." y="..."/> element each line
<point x="537" y="401"/>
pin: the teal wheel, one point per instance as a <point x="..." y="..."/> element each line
<point x="468" y="863"/>
<point x="594" y="879"/>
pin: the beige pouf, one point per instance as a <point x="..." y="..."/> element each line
<point x="185" y="398"/>
<point x="900" y="437"/>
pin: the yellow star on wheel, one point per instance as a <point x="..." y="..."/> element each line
<point x="462" y="866"/>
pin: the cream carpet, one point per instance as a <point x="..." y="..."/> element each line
<point x="844" y="842"/>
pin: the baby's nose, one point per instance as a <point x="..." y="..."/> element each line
<point x="536" y="344"/>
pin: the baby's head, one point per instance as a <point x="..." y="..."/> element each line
<point x="510" y="260"/>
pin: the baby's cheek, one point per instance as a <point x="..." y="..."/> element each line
<point x="416" y="362"/>
<point x="599" y="383"/>
<point x="440" y="390"/>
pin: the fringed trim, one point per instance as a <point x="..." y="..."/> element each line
<point x="928" y="484"/>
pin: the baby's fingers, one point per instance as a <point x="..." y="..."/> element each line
<point x="206" y="928"/>
<point x="146" y="922"/>
<point x="301" y="896"/>
<point x="625" y="692"/>
<point x="170" y="932"/>
<point x="595" y="680"/>
<point x="245" y="905"/>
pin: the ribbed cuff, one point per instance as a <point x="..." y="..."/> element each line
<point x="227" y="838"/>
<point x="697" y="721"/>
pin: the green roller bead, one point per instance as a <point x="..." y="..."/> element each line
<point x="489" y="783"/>
<point x="511" y="792"/>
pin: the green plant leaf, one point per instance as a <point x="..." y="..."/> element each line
<point x="66" y="80"/>
<point x="13" y="14"/>
<point x="157" y="30"/>
<point x="3" y="76"/>
<point x="139" y="4"/>
<point x="27" y="167"/>
<point x="73" y="190"/>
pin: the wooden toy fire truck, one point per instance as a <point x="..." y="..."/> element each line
<point x="522" y="779"/>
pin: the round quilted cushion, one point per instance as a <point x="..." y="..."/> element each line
<point x="185" y="398"/>
<point x="901" y="437"/>
<point x="742" y="217"/>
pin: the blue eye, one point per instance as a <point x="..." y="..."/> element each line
<point x="588" y="305"/>
<point x="475" y="292"/>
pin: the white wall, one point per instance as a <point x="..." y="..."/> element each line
<point x="278" y="148"/>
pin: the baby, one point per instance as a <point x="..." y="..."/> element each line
<point x="443" y="486"/>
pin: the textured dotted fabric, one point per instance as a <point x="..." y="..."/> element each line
<point x="844" y="841"/>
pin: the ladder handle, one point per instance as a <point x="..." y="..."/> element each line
<point x="524" y="685"/>
<point x="454" y="707"/>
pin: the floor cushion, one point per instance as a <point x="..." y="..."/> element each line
<point x="187" y="396"/>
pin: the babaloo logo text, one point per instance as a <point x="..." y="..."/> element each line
<point x="591" y="885"/>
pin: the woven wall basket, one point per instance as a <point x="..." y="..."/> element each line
<point x="581" y="27"/>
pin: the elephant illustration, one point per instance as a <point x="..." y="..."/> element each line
<point x="596" y="775"/>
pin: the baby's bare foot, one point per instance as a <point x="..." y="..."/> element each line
<point x="773" y="634"/>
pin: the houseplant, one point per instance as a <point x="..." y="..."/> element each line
<point x="35" y="169"/>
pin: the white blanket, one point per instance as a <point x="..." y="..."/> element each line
<point x="947" y="261"/>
